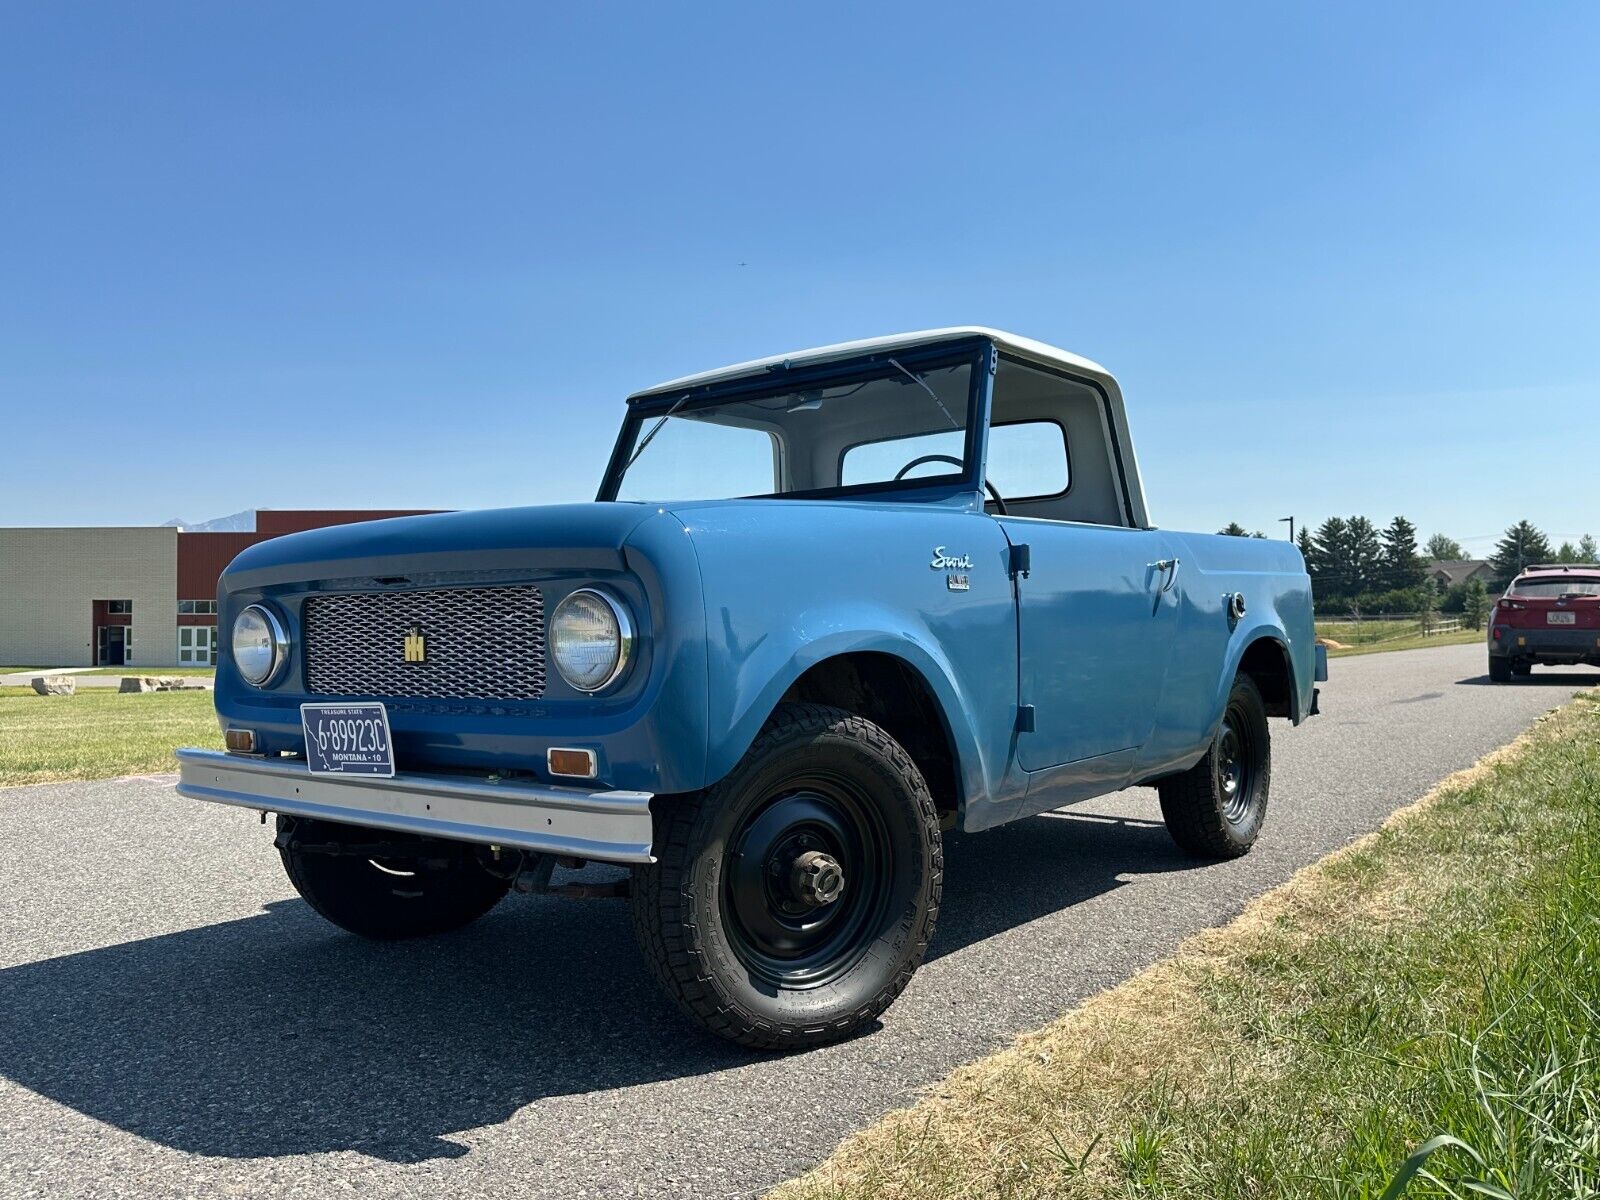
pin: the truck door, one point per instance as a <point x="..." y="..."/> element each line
<point x="1096" y="613"/>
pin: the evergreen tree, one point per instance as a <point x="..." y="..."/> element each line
<point x="1587" y="551"/>
<point x="1566" y="553"/>
<point x="1475" y="609"/>
<point x="1331" y="561"/>
<point x="1444" y="549"/>
<point x="1402" y="565"/>
<point x="1522" y="545"/>
<point x="1308" y="548"/>
<point x="1234" y="529"/>
<point x="1366" y="555"/>
<point x="1428" y="603"/>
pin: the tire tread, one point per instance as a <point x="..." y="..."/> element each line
<point x="673" y="945"/>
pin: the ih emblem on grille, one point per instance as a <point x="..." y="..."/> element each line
<point x="416" y="646"/>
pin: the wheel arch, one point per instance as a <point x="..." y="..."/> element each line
<point x="1266" y="660"/>
<point x="894" y="695"/>
<point x="893" y="683"/>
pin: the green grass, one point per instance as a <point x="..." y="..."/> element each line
<point x="98" y="733"/>
<point x="1418" y="1015"/>
<point x="1368" y="637"/>
<point x="1464" y="637"/>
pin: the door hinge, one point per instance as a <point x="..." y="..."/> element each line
<point x="1021" y="561"/>
<point x="1025" y="718"/>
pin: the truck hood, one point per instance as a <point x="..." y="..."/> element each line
<point x="578" y="535"/>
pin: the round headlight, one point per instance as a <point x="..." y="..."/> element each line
<point x="260" y="645"/>
<point x="591" y="638"/>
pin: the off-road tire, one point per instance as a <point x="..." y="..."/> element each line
<point x="357" y="895"/>
<point x="1499" y="669"/>
<point x="1196" y="804"/>
<point x="686" y="923"/>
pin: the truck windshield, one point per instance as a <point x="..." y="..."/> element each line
<point x="910" y="422"/>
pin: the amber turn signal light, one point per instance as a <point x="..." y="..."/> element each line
<point x="578" y="764"/>
<point x="240" y="741"/>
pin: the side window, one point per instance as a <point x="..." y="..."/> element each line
<point x="1028" y="460"/>
<point x="882" y="462"/>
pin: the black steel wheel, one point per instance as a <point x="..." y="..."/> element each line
<point x="1217" y="807"/>
<point x="791" y="902"/>
<point x="413" y="890"/>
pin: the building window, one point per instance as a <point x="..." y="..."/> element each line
<point x="119" y="608"/>
<point x="192" y="608"/>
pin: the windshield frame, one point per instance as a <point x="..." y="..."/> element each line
<point x="977" y="353"/>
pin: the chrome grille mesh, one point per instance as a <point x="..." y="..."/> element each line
<point x="480" y="643"/>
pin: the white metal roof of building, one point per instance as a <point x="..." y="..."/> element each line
<point x="1026" y="347"/>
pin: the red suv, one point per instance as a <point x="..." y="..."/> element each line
<point x="1548" y="615"/>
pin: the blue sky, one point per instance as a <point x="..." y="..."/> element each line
<point x="1343" y="258"/>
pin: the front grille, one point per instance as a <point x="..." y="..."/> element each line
<point x="478" y="643"/>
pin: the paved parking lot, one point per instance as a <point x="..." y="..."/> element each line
<point x="175" y="1022"/>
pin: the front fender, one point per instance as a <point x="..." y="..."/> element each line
<point x="756" y="683"/>
<point x="789" y="584"/>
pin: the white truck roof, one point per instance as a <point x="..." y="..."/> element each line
<point x="1022" y="347"/>
<point x="1025" y="347"/>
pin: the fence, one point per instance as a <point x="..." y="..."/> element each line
<point x="1358" y="629"/>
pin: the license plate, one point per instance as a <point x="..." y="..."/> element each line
<point x="1560" y="618"/>
<point x="347" y="739"/>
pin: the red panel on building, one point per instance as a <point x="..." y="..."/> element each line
<point x="203" y="556"/>
<point x="272" y="523"/>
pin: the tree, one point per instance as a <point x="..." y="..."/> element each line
<point x="1402" y="565"/>
<point x="1329" y="563"/>
<point x="1566" y="553"/>
<point x="1522" y="545"/>
<point x="1587" y="551"/>
<point x="1234" y="529"/>
<point x="1475" y="607"/>
<point x="1366" y="555"/>
<point x="1427" y="603"/>
<point x="1444" y="549"/>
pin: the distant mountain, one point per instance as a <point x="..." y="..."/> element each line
<point x="239" y="522"/>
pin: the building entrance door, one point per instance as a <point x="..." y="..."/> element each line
<point x="112" y="645"/>
<point x="197" y="645"/>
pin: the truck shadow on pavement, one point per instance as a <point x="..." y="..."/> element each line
<point x="278" y="1034"/>
<point x="1579" y="678"/>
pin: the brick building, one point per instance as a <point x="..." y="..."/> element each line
<point x="126" y="596"/>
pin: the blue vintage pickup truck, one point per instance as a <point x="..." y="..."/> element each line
<point x="827" y="607"/>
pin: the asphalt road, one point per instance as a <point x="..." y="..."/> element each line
<point x="175" y="1022"/>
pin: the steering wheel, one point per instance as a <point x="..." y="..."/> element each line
<point x="957" y="464"/>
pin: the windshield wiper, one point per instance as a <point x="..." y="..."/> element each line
<point x="650" y="435"/>
<point x="923" y="384"/>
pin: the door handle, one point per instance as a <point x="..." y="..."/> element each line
<point x="1169" y="567"/>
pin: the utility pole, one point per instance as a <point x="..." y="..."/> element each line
<point x="1281" y="520"/>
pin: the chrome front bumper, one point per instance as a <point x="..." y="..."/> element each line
<point x="606" y="826"/>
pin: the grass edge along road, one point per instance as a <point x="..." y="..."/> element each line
<point x="1430" y="988"/>
<point x="1378" y="634"/>
<point x="99" y="734"/>
<point x="1459" y="637"/>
